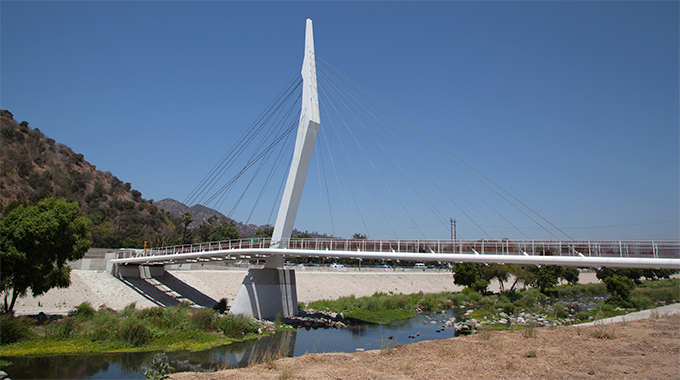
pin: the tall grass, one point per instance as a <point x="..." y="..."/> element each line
<point x="89" y="330"/>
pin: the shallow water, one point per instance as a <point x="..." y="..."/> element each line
<point x="285" y="343"/>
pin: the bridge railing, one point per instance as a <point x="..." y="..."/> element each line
<point x="588" y="248"/>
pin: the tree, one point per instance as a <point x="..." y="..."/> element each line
<point x="37" y="241"/>
<point x="619" y="287"/>
<point x="302" y="236"/>
<point x="359" y="236"/>
<point x="470" y="275"/>
<point x="547" y="276"/>
<point x="571" y="275"/>
<point x="265" y="232"/>
<point x="223" y="232"/>
<point x="187" y="218"/>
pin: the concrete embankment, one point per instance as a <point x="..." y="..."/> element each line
<point x="206" y="287"/>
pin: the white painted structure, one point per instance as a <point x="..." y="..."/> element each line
<point x="271" y="291"/>
<point x="304" y="145"/>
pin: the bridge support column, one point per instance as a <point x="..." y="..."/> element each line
<point x="138" y="271"/>
<point x="267" y="292"/>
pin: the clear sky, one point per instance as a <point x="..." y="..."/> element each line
<point x="571" y="106"/>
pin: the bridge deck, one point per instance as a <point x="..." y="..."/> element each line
<point x="643" y="254"/>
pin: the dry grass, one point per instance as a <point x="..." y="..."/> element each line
<point x="646" y="348"/>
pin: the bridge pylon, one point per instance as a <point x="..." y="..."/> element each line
<point x="271" y="290"/>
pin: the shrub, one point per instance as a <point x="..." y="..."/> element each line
<point x="84" y="312"/>
<point x="14" y="329"/>
<point x="221" y="307"/>
<point x="620" y="288"/>
<point x="237" y="325"/>
<point x="159" y="369"/>
<point x="641" y="301"/>
<point x="64" y="328"/>
<point x="204" y="320"/>
<point x="133" y="332"/>
<point x="129" y="310"/>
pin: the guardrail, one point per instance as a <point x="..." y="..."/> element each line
<point x="586" y="248"/>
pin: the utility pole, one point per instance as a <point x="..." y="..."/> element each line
<point x="451" y="221"/>
<point x="455" y="237"/>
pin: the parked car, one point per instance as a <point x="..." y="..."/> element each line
<point x="383" y="265"/>
<point x="419" y="266"/>
<point x="337" y="266"/>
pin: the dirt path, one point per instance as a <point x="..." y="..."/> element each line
<point x="641" y="349"/>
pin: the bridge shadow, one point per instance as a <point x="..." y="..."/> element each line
<point x="168" y="290"/>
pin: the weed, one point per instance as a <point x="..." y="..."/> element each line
<point x="129" y="310"/>
<point x="604" y="331"/>
<point x="654" y="314"/>
<point x="64" y="329"/>
<point x="204" y="320"/>
<point x="287" y="373"/>
<point x="485" y="332"/>
<point x="531" y="353"/>
<point x="160" y="369"/>
<point x="14" y="329"/>
<point x="267" y="355"/>
<point x="134" y="333"/>
<point x="529" y="330"/>
<point x="406" y="365"/>
<point x="84" y="312"/>
<point x="386" y="346"/>
<point x="236" y="325"/>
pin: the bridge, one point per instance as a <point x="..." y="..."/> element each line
<point x="269" y="291"/>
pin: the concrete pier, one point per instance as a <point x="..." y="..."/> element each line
<point x="266" y="293"/>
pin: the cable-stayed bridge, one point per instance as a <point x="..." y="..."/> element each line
<point x="622" y="253"/>
<point x="271" y="290"/>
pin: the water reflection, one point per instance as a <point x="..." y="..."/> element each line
<point x="285" y="343"/>
<point x="131" y="365"/>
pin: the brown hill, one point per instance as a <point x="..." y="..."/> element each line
<point x="203" y="214"/>
<point x="34" y="166"/>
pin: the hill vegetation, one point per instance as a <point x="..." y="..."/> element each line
<point x="34" y="167"/>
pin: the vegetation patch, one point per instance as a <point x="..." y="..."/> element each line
<point x="131" y="330"/>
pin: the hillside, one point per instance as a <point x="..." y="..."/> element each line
<point x="34" y="166"/>
<point x="203" y="214"/>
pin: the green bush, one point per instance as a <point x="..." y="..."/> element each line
<point x="84" y="312"/>
<point x="129" y="310"/>
<point x="221" y="307"/>
<point x="529" y="298"/>
<point x="664" y="290"/>
<point x="104" y="326"/>
<point x="14" y="329"/>
<point x="237" y="325"/>
<point x="508" y="307"/>
<point x="63" y="329"/>
<point x="204" y="320"/>
<point x="133" y="332"/>
<point x="641" y="301"/>
<point x="620" y="288"/>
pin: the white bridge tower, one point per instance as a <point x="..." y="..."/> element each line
<point x="304" y="146"/>
<point x="271" y="291"/>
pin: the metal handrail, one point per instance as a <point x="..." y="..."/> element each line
<point x="588" y="248"/>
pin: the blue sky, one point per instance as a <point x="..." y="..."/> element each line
<point x="570" y="106"/>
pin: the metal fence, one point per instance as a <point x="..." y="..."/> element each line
<point x="587" y="248"/>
